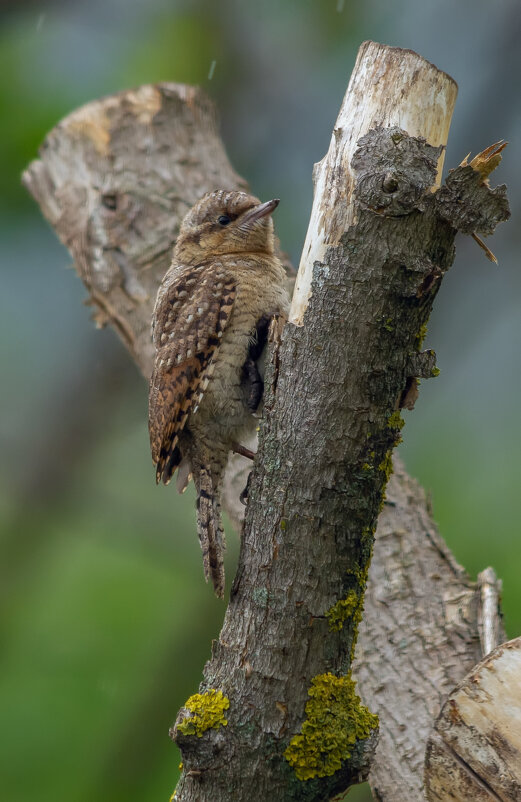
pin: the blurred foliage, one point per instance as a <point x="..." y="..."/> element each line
<point x="168" y="51"/>
<point x="105" y="620"/>
<point x="26" y="115"/>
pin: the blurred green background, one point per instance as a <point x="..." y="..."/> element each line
<point x="105" y="621"/>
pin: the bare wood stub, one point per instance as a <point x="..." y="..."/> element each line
<point x="423" y="109"/>
<point x="491" y="631"/>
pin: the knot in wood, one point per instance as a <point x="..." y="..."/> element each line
<point x="114" y="213"/>
<point x="393" y="171"/>
<point x="390" y="183"/>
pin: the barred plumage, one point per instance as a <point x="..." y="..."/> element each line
<point x="225" y="283"/>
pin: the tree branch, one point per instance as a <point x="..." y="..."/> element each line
<point x="373" y="272"/>
<point x="114" y="179"/>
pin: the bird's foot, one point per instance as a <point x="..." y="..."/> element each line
<point x="243" y="498"/>
<point x="254" y="386"/>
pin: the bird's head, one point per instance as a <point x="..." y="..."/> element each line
<point x="224" y="222"/>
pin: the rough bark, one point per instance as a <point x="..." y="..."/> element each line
<point x="425" y="625"/>
<point x="137" y="161"/>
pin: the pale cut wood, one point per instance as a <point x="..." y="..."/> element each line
<point x="423" y="107"/>
<point x="474" y="752"/>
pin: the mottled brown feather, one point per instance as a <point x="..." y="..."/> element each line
<point x="187" y="337"/>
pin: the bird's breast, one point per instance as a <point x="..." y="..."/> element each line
<point x="259" y="294"/>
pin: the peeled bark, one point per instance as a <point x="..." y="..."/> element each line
<point x="389" y="87"/>
<point x="381" y="240"/>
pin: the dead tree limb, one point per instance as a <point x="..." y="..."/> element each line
<point x="114" y="179"/>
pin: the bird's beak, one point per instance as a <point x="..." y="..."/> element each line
<point x="259" y="211"/>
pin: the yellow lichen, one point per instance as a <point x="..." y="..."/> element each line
<point x="335" y="721"/>
<point x="422" y="333"/>
<point x="386" y="465"/>
<point x="395" y="421"/>
<point x="351" y="607"/>
<point x="207" y="712"/>
<point x="342" y="611"/>
<point x="361" y="573"/>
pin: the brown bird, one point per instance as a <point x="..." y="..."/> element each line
<point x="209" y="327"/>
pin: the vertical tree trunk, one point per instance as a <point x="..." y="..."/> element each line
<point x="372" y="265"/>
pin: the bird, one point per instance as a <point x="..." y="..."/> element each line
<point x="209" y="327"/>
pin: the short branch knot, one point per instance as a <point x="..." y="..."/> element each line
<point x="394" y="171"/>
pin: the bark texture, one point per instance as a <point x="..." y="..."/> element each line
<point x="137" y="161"/>
<point x="425" y="625"/>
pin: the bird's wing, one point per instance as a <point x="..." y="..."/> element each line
<point x="190" y="317"/>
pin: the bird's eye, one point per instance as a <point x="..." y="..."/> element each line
<point x="223" y="220"/>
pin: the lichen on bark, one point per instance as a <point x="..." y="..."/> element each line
<point x="207" y="712"/>
<point x="342" y="610"/>
<point x="335" y="720"/>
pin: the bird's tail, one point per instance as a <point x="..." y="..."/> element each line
<point x="209" y="524"/>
